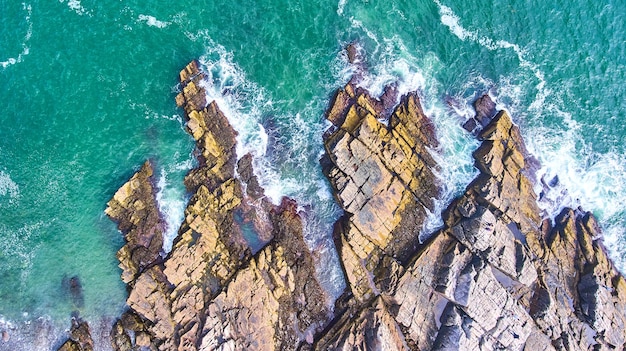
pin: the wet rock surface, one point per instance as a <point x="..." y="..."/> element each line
<point x="135" y="210"/>
<point x="79" y="337"/>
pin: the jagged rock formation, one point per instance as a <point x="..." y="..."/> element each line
<point x="135" y="210"/>
<point x="212" y="291"/>
<point x="496" y="275"/>
<point x="276" y="289"/>
<point x="383" y="178"/>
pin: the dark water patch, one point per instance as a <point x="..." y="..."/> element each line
<point x="73" y="289"/>
<point x="252" y="237"/>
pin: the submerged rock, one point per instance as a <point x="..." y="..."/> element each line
<point x="74" y="289"/>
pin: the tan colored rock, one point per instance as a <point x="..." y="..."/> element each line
<point x="494" y="241"/>
<point x="136" y="212"/>
<point x="372" y="328"/>
<point x="496" y="276"/>
<point x="273" y="304"/>
<point x="127" y="328"/>
<point x="415" y="299"/>
<point x="382" y="175"/>
<point x="341" y="102"/>
<point x="587" y="303"/>
<point x="192" y="97"/>
<point x="210" y="292"/>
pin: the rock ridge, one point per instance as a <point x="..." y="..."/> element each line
<point x="215" y="290"/>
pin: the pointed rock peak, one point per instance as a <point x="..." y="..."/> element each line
<point x="485" y="110"/>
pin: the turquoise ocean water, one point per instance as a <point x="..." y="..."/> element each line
<point x="87" y="94"/>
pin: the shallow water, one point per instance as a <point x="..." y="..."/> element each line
<point x="88" y="94"/>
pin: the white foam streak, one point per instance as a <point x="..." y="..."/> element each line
<point x="392" y="68"/>
<point x="152" y="21"/>
<point x="8" y="187"/>
<point x="341" y="6"/>
<point x="76" y="6"/>
<point x="453" y="22"/>
<point x="29" y="33"/>
<point x="453" y="157"/>
<point x="358" y="24"/>
<point x="241" y="101"/>
<point x="590" y="180"/>
<point x="18" y="245"/>
<point x="171" y="202"/>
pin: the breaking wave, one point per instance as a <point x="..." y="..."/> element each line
<point x="572" y="174"/>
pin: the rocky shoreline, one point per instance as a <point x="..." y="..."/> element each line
<point x="240" y="276"/>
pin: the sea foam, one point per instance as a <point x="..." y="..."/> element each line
<point x="285" y="148"/>
<point x="340" y="6"/>
<point x="76" y="6"/>
<point x="572" y="174"/>
<point x="29" y="33"/>
<point x="171" y="201"/>
<point x="8" y="187"/>
<point x="152" y="21"/>
<point x="453" y="22"/>
<point x="18" y="246"/>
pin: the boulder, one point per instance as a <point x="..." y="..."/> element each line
<point x="79" y="337"/>
<point x="485" y="109"/>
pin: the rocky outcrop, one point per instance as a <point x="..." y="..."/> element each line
<point x="496" y="275"/>
<point x="214" y="290"/>
<point x="273" y="304"/>
<point x="580" y="298"/>
<point x="135" y="210"/>
<point x="382" y="174"/>
<point x="79" y="338"/>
